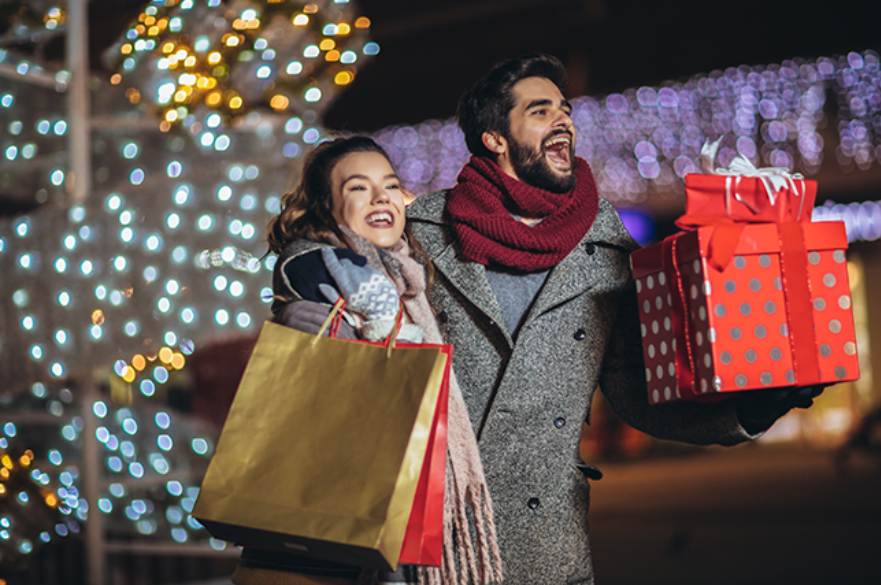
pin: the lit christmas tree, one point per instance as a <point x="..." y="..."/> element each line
<point x="163" y="255"/>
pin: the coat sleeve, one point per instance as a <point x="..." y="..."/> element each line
<point x="622" y="381"/>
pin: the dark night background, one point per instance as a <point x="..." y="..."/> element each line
<point x="432" y="50"/>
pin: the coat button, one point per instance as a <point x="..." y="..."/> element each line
<point x="442" y="318"/>
<point x="580" y="334"/>
<point x="533" y="503"/>
<point x="559" y="422"/>
<point x="590" y="249"/>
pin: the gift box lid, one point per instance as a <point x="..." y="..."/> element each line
<point x="763" y="238"/>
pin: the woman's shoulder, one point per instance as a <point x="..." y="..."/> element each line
<point x="305" y="271"/>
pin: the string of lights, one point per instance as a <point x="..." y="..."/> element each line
<point x="152" y="459"/>
<point x="643" y="141"/>
<point x="190" y="59"/>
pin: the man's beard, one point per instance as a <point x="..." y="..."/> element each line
<point x="532" y="167"/>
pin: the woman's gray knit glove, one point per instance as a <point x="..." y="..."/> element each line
<point x="368" y="293"/>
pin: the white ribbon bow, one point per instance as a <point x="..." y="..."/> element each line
<point x="773" y="178"/>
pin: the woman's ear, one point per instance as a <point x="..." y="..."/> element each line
<point x="494" y="142"/>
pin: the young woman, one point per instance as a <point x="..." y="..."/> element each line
<point x="342" y="232"/>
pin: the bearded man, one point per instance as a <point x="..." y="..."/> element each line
<point x="534" y="289"/>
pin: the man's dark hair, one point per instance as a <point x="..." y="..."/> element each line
<point x="486" y="105"/>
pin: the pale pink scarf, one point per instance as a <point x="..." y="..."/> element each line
<point x="464" y="561"/>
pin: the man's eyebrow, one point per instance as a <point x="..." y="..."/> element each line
<point x="540" y="103"/>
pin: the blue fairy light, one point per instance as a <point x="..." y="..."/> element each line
<point x="36" y="352"/>
<point x="130" y="426"/>
<point x="147" y="388"/>
<point x="131" y="328"/>
<point x="99" y="408"/>
<point x="127" y="449"/>
<point x="221" y="317"/>
<point x="222" y="143"/>
<point x="160" y="374"/>
<point x="174" y="515"/>
<point x="68" y="432"/>
<point x="179" y="535"/>
<point x="162" y="420"/>
<point x="182" y="195"/>
<point x="199" y="446"/>
<point x="136" y="177"/>
<point x="102" y="434"/>
<point x="114" y="463"/>
<point x="188" y="315"/>
<point x="164" y="442"/>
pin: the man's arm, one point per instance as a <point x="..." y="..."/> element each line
<point x="728" y="422"/>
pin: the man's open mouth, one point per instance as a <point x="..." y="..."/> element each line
<point x="558" y="150"/>
<point x="380" y="219"/>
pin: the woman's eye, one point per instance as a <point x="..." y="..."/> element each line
<point x="393" y="186"/>
<point x="357" y="188"/>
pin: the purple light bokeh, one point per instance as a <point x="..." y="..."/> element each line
<point x="645" y="140"/>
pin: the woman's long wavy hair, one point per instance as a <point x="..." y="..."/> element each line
<point x="307" y="211"/>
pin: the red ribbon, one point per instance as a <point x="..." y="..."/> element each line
<point x="684" y="357"/>
<point x="797" y="298"/>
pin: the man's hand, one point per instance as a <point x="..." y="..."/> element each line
<point x="758" y="410"/>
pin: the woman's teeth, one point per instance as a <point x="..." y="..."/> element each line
<point x="380" y="219"/>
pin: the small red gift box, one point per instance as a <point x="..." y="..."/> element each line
<point x="728" y="307"/>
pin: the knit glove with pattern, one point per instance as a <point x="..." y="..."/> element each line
<point x="368" y="293"/>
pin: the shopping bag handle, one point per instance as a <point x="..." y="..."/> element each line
<point x="332" y="321"/>
<point x="393" y="336"/>
<point x="332" y="324"/>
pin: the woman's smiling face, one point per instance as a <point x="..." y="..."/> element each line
<point x="368" y="198"/>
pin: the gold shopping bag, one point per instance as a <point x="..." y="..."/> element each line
<point x="323" y="446"/>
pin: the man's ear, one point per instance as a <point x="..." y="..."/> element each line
<point x="494" y="142"/>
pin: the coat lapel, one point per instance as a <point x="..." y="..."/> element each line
<point x="579" y="271"/>
<point x="469" y="278"/>
<point x="568" y="279"/>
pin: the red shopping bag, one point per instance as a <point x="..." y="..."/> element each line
<point x="424" y="538"/>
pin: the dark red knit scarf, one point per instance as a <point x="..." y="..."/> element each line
<point x="481" y="207"/>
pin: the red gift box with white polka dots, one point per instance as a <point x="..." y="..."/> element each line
<point x="736" y="331"/>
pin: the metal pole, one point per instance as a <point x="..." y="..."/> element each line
<point x="79" y="186"/>
<point x="79" y="143"/>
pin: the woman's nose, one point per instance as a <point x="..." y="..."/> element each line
<point x="380" y="195"/>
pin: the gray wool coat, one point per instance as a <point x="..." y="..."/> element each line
<point x="527" y="397"/>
